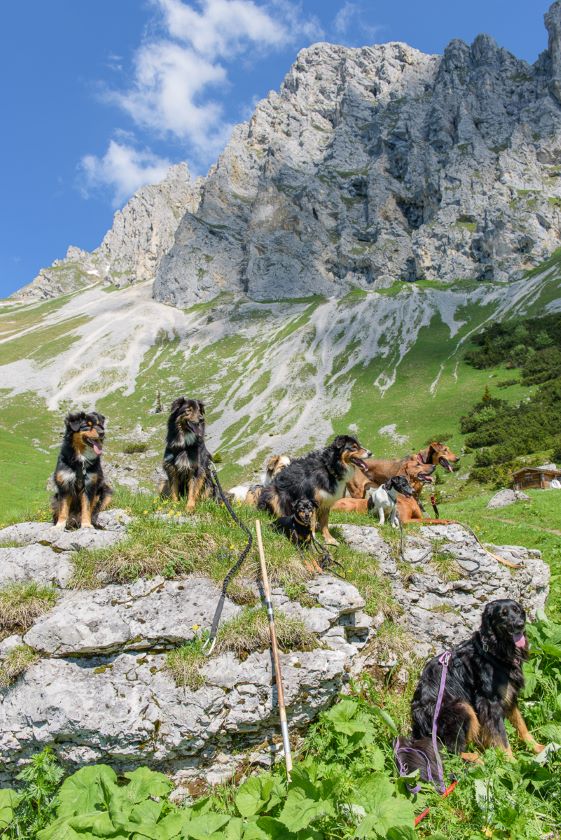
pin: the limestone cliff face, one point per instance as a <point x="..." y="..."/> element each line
<point x="380" y="163"/>
<point x="142" y="232"/>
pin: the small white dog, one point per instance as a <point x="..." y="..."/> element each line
<point x="383" y="499"/>
<point x="276" y="463"/>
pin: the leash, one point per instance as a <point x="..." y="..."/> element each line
<point x="208" y="646"/>
<point x="439" y="784"/>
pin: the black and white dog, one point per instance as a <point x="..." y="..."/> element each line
<point x="383" y="499"/>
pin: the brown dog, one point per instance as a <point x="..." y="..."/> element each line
<point x="417" y="475"/>
<point x="380" y="470"/>
<point x="408" y="510"/>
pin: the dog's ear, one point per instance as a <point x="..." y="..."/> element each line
<point x="314" y="503"/>
<point x="488" y="620"/>
<point x="340" y="442"/>
<point x="201" y="405"/>
<point x="100" y="418"/>
<point x="177" y="403"/>
<point x="74" y="421"/>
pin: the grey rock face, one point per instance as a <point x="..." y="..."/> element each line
<point x="142" y="232"/>
<point x="34" y="562"/>
<point x="553" y="25"/>
<point x="379" y="163"/>
<point x="128" y="711"/>
<point x="148" y="614"/>
<point x="438" y="609"/>
<point x="507" y="497"/>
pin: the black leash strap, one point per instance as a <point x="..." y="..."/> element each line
<point x="211" y="641"/>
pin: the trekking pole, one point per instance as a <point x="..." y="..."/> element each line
<point x="275" y="650"/>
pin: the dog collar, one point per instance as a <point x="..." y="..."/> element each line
<point x="483" y="650"/>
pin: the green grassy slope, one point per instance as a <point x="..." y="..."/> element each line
<point x="276" y="376"/>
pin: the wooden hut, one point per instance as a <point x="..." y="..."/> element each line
<point x="538" y="477"/>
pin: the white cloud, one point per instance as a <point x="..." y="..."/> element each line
<point x="180" y="82"/>
<point x="223" y="27"/>
<point x="122" y="168"/>
<point x="351" y="15"/>
<point x="180" y="79"/>
<point x="343" y="18"/>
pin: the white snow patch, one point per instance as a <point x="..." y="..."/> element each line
<point x="391" y="432"/>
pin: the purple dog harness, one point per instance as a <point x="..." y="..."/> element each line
<point x="444" y="660"/>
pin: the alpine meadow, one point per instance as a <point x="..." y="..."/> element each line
<point x="371" y="270"/>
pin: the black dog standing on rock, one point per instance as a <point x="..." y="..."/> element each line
<point x="481" y="689"/>
<point x="186" y="458"/>
<point x="81" y="490"/>
<point x="320" y="476"/>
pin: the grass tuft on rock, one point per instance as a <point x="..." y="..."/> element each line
<point x="244" y="634"/>
<point x="184" y="664"/>
<point x="446" y="566"/>
<point x="248" y="632"/>
<point x="131" y="447"/>
<point x="21" y="604"/>
<point x="15" y="663"/>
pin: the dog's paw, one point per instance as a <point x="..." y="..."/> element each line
<point x="537" y="748"/>
<point x="61" y="526"/>
<point x="87" y="525"/>
<point x="330" y="541"/>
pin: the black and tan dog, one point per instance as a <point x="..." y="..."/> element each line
<point x="300" y="526"/>
<point x="320" y="476"/>
<point x="482" y="685"/>
<point x="81" y="490"/>
<point x="186" y="458"/>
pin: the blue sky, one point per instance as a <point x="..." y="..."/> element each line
<point x="98" y="97"/>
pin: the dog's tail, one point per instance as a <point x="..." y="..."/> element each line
<point x="411" y="755"/>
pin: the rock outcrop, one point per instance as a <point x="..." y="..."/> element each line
<point x="507" y="497"/>
<point x="142" y="232"/>
<point x="100" y="689"/>
<point x="379" y="163"/>
<point x="445" y="577"/>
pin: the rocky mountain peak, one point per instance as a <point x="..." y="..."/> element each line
<point x="552" y="20"/>
<point x="380" y="163"/>
<point x="142" y="232"/>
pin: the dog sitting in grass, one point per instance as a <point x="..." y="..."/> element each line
<point x="481" y="689"/>
<point x="300" y="525"/>
<point x="186" y="458"/>
<point x="320" y="475"/>
<point x="81" y="490"/>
